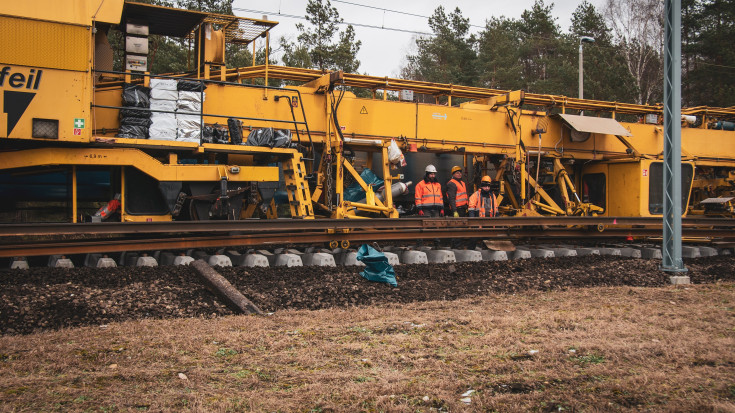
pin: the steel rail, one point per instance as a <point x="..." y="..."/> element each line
<point x="256" y="239"/>
<point x="292" y="225"/>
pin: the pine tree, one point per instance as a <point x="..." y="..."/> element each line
<point x="545" y="58"/>
<point x="709" y="78"/>
<point x="316" y="47"/>
<point x="605" y="74"/>
<point x="499" y="63"/>
<point x="448" y="56"/>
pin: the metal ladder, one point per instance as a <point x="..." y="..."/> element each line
<point x="299" y="195"/>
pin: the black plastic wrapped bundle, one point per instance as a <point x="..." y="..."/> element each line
<point x="136" y="96"/>
<point x="235" y="127"/>
<point x="132" y="132"/>
<point x="135" y="113"/>
<point x="135" y="118"/>
<point x="215" y="134"/>
<point x="221" y="135"/>
<point x="134" y="121"/>
<point x="207" y="134"/>
<point x="190" y="86"/>
<point x="272" y="138"/>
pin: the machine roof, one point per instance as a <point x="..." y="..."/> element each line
<point x="591" y="124"/>
<point x="173" y="22"/>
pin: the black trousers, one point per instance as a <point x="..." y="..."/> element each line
<point x="462" y="210"/>
<point x="458" y="243"/>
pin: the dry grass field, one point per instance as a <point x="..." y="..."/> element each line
<point x="585" y="349"/>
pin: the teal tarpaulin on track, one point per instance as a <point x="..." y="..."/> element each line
<point x="376" y="266"/>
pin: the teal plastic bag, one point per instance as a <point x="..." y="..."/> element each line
<point x="376" y="266"/>
<point x="355" y="193"/>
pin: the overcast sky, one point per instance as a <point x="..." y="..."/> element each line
<point x="383" y="50"/>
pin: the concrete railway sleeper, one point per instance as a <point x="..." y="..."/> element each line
<point x="397" y="254"/>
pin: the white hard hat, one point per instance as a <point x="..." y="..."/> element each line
<point x="430" y="169"/>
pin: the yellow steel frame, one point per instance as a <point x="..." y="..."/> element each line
<point x="138" y="159"/>
<point x="495" y="124"/>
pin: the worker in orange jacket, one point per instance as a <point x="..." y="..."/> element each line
<point x="428" y="193"/>
<point x="483" y="203"/>
<point x="457" y="194"/>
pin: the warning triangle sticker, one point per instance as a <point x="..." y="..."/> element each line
<point x="363" y="111"/>
<point x="15" y="105"/>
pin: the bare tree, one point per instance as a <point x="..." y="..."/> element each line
<point x="637" y="27"/>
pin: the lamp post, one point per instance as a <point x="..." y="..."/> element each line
<point x="583" y="39"/>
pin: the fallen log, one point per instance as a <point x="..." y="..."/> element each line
<point x="224" y="290"/>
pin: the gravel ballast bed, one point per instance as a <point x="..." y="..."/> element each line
<point x="51" y="298"/>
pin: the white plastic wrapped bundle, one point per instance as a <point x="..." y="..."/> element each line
<point x="188" y="121"/>
<point x="161" y="134"/>
<point x="192" y="96"/>
<point x="189" y="101"/>
<point x="163" y="97"/>
<point x="167" y="105"/>
<point x="164" y="94"/>
<point x="164" y="84"/>
<point x="163" y="120"/>
<point x="188" y="105"/>
<point x="163" y="126"/>
<point x="188" y="127"/>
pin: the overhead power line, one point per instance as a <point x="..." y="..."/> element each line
<point x="381" y="9"/>
<point x="291" y="16"/>
<point x="392" y="11"/>
<point x="371" y="26"/>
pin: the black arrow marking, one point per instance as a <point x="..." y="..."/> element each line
<point x="15" y="105"/>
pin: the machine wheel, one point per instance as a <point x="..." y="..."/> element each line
<point x="344" y="244"/>
<point x="333" y="244"/>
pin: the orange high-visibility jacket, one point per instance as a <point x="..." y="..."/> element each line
<point x="485" y="206"/>
<point x="457" y="192"/>
<point x="428" y="195"/>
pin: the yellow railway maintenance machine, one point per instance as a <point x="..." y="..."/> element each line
<point x="66" y="121"/>
<point x="62" y="136"/>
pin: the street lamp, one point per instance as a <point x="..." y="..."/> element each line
<point x="583" y="39"/>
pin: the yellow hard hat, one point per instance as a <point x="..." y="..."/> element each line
<point x="455" y="169"/>
<point x="486" y="179"/>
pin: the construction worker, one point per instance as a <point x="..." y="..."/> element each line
<point x="429" y="194"/>
<point x="457" y="194"/>
<point x="483" y="203"/>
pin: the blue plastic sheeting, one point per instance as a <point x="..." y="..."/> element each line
<point x="92" y="185"/>
<point x="376" y="266"/>
<point x="355" y="193"/>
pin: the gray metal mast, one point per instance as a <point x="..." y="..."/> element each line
<point x="671" y="250"/>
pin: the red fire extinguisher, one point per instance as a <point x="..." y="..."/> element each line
<point x="106" y="211"/>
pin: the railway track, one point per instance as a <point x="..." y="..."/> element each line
<point x="62" y="238"/>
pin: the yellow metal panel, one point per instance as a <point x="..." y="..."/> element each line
<point x="103" y="118"/>
<point x="42" y="44"/>
<point x="249" y="102"/>
<point x="377" y="118"/>
<point x="625" y="192"/>
<point x="146" y="218"/>
<point x="136" y="158"/>
<point x="45" y="94"/>
<point x="707" y="144"/>
<point x="79" y="12"/>
<point x="106" y="11"/>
